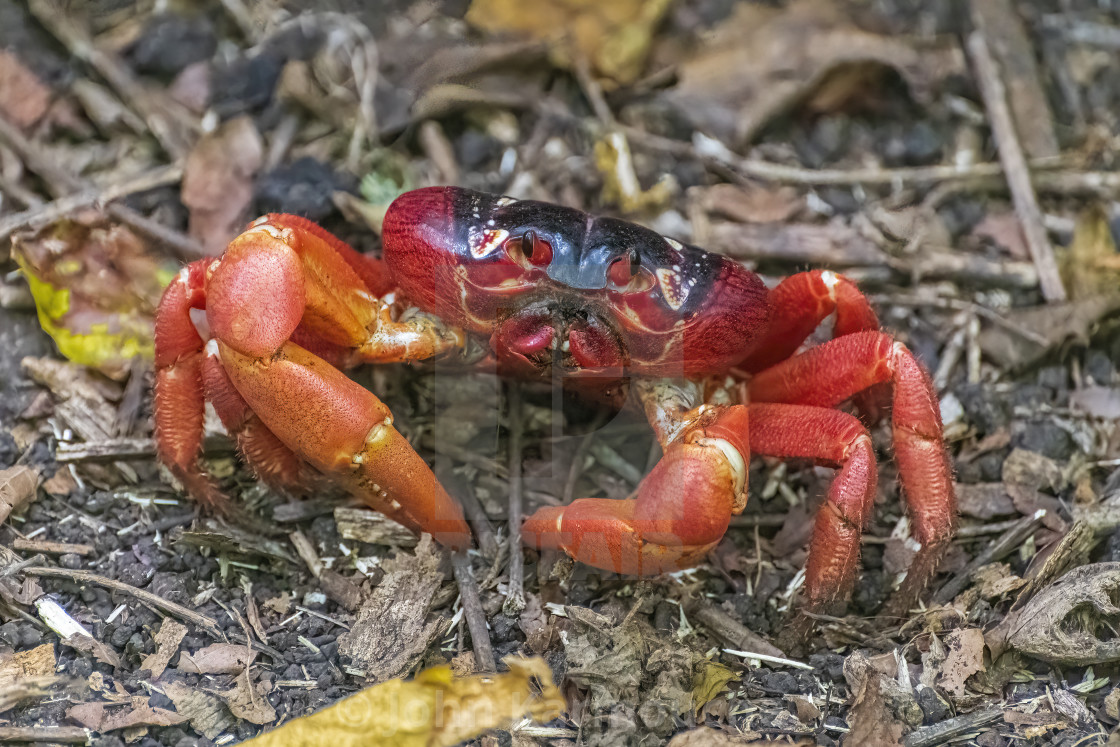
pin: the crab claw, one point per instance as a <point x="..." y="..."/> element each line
<point x="679" y="512"/>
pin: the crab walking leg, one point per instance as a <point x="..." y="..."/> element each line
<point x="679" y="512"/>
<point x="831" y="373"/>
<point x="179" y="404"/>
<point x="799" y="304"/>
<point x="344" y="430"/>
<point x="835" y="439"/>
<point x="265" y="454"/>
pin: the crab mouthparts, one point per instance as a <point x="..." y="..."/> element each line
<point x="532" y="344"/>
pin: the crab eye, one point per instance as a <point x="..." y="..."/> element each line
<point x="530" y="248"/>
<point x="536" y="249"/>
<point x="624" y="268"/>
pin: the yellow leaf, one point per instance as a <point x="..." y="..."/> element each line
<point x="1090" y="266"/>
<point x="435" y="709"/>
<point x="620" y="183"/>
<point x="613" y="36"/>
<point x="95" y="289"/>
<point x="709" y="682"/>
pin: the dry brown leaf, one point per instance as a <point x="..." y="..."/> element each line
<point x="961" y="656"/>
<point x="1097" y="401"/>
<point x="751" y="203"/>
<point x="870" y="722"/>
<point x="706" y="736"/>
<point x="167" y="640"/>
<point x="996" y="580"/>
<point x="90" y="645"/>
<point x="1005" y="230"/>
<point x="613" y="36"/>
<point x="140" y="714"/>
<point x="218" y="182"/>
<point x="985" y="500"/>
<point x="249" y="701"/>
<point x="24" y="99"/>
<point x="207" y="713"/>
<point x="17" y="487"/>
<point x="762" y="61"/>
<point x="1049" y="327"/>
<point x="218" y="658"/>
<point x="435" y="709"/>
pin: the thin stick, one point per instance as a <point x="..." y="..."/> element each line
<point x="1008" y="542"/>
<point x="36" y="734"/>
<point x="515" y="592"/>
<point x="769" y="659"/>
<point x="206" y="623"/>
<point x="49" y="212"/>
<point x="473" y="612"/>
<point x="1015" y="167"/>
<point x="61" y="183"/>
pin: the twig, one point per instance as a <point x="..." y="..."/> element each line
<point x="515" y="592"/>
<point x="770" y="659"/>
<point x="473" y="612"/>
<point x="45" y="734"/>
<point x="169" y="122"/>
<point x="51" y="211"/>
<point x="1044" y="171"/>
<point x="728" y="629"/>
<point x="61" y="183"/>
<point x="1016" y="168"/>
<point x="206" y="623"/>
<point x="1008" y="542"/>
<point x="51" y="548"/>
<point x="948" y="730"/>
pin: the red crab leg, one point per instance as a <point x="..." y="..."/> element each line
<point x="831" y="373"/>
<point x="799" y="304"/>
<point x="178" y="407"/>
<point x="836" y="439"/>
<point x="679" y="512"/>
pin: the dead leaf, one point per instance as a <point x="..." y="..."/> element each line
<point x="1090" y="266"/>
<point x="620" y="183"/>
<point x="762" y="61"/>
<point x="535" y="624"/>
<point x="1047" y="328"/>
<point x="985" y="500"/>
<point x="1071" y="622"/>
<point x="207" y="713"/>
<point x="1004" y="229"/>
<point x="706" y="736"/>
<point x="167" y="640"/>
<point x="218" y="182"/>
<point x="96" y="287"/>
<point x="249" y="701"/>
<point x="869" y="720"/>
<point x="392" y="631"/>
<point x="435" y="709"/>
<point x="613" y="37"/>
<point x="17" y="487"/>
<point x="807" y="711"/>
<point x="24" y="99"/>
<point x="752" y="203"/>
<point x="1097" y="401"/>
<point x="218" y="658"/>
<point x="141" y="713"/>
<point x="950" y="664"/>
<point x="996" y="580"/>
<point x="90" y="645"/>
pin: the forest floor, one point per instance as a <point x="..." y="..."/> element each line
<point x="958" y="161"/>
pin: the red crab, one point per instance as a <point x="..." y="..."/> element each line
<point x="265" y="332"/>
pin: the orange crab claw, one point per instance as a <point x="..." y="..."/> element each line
<point x="679" y="512"/>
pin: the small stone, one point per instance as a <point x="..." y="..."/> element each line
<point x="933" y="706"/>
<point x="73" y="561"/>
<point x="782" y="682"/>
